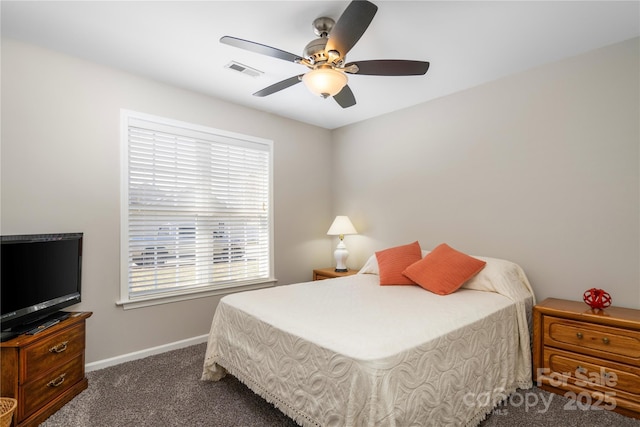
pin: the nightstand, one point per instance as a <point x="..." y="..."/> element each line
<point x="330" y="273"/>
<point x="592" y="356"/>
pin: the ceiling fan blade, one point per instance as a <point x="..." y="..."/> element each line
<point x="345" y="97"/>
<point x="260" y="48"/>
<point x="279" y="86"/>
<point x="351" y="25"/>
<point x="390" y="67"/>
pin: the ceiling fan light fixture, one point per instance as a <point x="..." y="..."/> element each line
<point x="325" y="82"/>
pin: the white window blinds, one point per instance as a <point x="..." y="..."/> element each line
<point x="198" y="208"/>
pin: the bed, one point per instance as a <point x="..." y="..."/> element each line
<point x="349" y="352"/>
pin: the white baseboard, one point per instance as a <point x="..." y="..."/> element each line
<point x="105" y="363"/>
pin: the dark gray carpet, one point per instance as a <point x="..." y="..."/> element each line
<point x="166" y="390"/>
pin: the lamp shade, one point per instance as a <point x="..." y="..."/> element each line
<point x="325" y="82"/>
<point x="341" y="225"/>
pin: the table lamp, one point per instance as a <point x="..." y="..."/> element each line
<point x="341" y="226"/>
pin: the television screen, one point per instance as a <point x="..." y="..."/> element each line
<point x="40" y="274"/>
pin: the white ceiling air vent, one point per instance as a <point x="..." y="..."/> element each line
<point x="241" y="68"/>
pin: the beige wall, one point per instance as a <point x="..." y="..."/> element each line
<point x="61" y="172"/>
<point x="541" y="168"/>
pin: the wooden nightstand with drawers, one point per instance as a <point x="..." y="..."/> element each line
<point x="592" y="356"/>
<point x="330" y="273"/>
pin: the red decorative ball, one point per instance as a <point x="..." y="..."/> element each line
<point x="597" y="298"/>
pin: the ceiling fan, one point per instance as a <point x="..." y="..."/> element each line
<point x="326" y="56"/>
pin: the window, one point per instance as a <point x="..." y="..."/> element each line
<point x="196" y="211"/>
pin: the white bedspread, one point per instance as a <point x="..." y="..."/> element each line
<point x="348" y="352"/>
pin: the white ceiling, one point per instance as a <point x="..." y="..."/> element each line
<point x="467" y="44"/>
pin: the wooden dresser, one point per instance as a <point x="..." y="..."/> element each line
<point x="44" y="371"/>
<point x="592" y="356"/>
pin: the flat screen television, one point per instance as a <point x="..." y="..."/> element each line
<point x="40" y="274"/>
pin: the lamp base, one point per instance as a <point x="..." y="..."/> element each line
<point x="341" y="253"/>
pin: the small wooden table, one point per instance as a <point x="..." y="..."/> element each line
<point x="330" y="273"/>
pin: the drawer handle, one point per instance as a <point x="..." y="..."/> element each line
<point x="57" y="382"/>
<point x="59" y="348"/>
<point x="605" y="340"/>
<point x="579" y="335"/>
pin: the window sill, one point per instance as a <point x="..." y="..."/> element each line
<point x="128" y="304"/>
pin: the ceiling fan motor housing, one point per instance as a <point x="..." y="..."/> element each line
<point x="314" y="50"/>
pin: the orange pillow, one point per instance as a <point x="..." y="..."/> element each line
<point x="393" y="261"/>
<point x="443" y="270"/>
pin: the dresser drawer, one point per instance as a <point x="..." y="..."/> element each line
<point x="593" y="373"/>
<point x="598" y="340"/>
<point x="55" y="382"/>
<point x="56" y="349"/>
